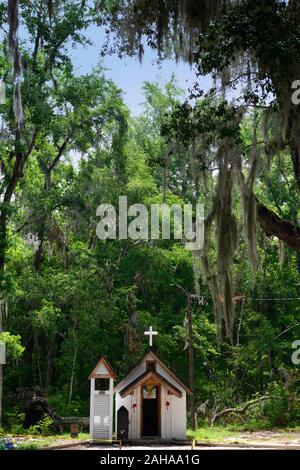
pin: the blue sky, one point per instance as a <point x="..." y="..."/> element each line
<point x="128" y="73"/>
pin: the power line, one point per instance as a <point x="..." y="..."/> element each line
<point x="277" y="299"/>
<point x="242" y="298"/>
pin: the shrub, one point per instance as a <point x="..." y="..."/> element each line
<point x="43" y="427"/>
<point x="15" y="420"/>
<point x="276" y="410"/>
<point x="64" y="408"/>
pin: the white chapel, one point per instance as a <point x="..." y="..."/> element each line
<point x="150" y="402"/>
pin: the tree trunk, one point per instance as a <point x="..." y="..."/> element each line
<point x="1" y="393"/>
<point x="298" y="268"/>
<point x="37" y="357"/>
<point x="73" y="367"/>
<point x="50" y="355"/>
<point x="293" y="128"/>
<point x="3" y="243"/>
<point x="296" y="163"/>
<point x="38" y="257"/>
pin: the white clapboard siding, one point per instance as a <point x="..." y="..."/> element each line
<point x="101" y="416"/>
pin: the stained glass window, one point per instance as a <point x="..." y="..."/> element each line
<point x="149" y="391"/>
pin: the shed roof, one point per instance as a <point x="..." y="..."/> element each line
<point x="103" y="370"/>
<point x="146" y="375"/>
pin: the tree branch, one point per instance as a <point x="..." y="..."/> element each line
<point x="18" y="167"/>
<point x="60" y="152"/>
<point x="245" y="406"/>
<point x="273" y="225"/>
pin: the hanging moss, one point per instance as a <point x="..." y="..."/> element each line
<point x="226" y="232"/>
<point x="210" y="274"/>
<point x="13" y="45"/>
<point x="170" y="26"/>
<point x="248" y="199"/>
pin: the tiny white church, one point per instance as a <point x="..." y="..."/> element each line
<point x="150" y="402"/>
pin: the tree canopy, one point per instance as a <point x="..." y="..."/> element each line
<point x="69" y="143"/>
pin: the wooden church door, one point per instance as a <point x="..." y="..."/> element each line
<point x="123" y="424"/>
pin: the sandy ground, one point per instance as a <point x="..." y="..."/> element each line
<point x="265" y="437"/>
<point x="275" y="439"/>
<point x="172" y="448"/>
<point x="254" y="440"/>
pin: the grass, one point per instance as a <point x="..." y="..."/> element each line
<point x="38" y="442"/>
<point x="212" y="434"/>
<point x="216" y="434"/>
<point x="236" y="434"/>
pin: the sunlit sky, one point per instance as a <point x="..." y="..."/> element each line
<point x="128" y="73"/>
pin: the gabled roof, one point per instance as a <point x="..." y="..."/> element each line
<point x="145" y="376"/>
<point x="106" y="373"/>
<point x="152" y="356"/>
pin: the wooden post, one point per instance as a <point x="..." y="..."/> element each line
<point x="2" y="309"/>
<point x="191" y="360"/>
<point x="1" y="371"/>
<point x="189" y="297"/>
<point x="74" y="431"/>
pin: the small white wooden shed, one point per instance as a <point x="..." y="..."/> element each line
<point x="151" y="402"/>
<point x="101" y="402"/>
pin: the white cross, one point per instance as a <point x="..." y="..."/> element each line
<point x="150" y="333"/>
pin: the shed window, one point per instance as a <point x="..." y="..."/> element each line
<point x="151" y="365"/>
<point x="101" y="384"/>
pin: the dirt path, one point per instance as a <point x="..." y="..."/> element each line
<point x="265" y="437"/>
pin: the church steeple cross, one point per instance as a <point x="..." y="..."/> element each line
<point x="150" y="333"/>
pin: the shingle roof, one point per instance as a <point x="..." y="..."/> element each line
<point x="143" y="377"/>
<point x="151" y="355"/>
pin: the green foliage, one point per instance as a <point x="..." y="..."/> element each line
<point x="279" y="411"/>
<point x="65" y="408"/>
<point x="73" y="297"/>
<point x="13" y="344"/>
<point x="86" y="290"/>
<point x="28" y="446"/>
<point x="42" y="428"/>
<point x="15" y="420"/>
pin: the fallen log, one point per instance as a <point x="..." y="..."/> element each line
<point x="245" y="406"/>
